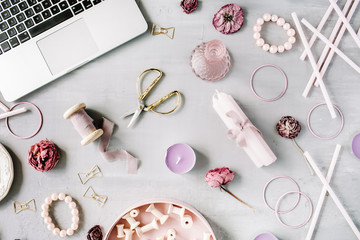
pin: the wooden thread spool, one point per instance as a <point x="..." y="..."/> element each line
<point x="83" y="123"/>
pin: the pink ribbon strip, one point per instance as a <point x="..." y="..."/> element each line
<point x="120" y="154"/>
<point x="238" y="133"/>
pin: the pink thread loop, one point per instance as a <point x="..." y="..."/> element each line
<point x="267" y="184"/>
<point x="277" y="209"/>
<point x="40" y="125"/>
<point x="325" y="138"/>
<point x="265" y="99"/>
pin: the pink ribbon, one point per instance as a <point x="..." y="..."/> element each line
<point x="120" y="154"/>
<point x="238" y="134"/>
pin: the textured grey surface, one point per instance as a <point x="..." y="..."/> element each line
<point x="107" y="86"/>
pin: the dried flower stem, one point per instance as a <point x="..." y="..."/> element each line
<point x="302" y="152"/>
<point x="221" y="187"/>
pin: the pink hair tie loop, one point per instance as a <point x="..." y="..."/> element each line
<point x="325" y="138"/>
<point x="267" y="184"/>
<point x="265" y="99"/>
<point x="277" y="209"/>
<point x="40" y="125"/>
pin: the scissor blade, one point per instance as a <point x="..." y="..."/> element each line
<point x="133" y="119"/>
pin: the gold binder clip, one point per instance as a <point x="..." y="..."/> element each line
<point x="90" y="193"/>
<point x="30" y="205"/>
<point x="94" y="172"/>
<point x="156" y="30"/>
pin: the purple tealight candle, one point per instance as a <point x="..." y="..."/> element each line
<point x="356" y="145"/>
<point x="265" y="236"/>
<point x="180" y="158"/>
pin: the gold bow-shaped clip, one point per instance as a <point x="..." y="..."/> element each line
<point x="90" y="193"/>
<point x="94" y="172"/>
<point x="238" y="133"/>
<point x="30" y="205"/>
<point x="156" y="30"/>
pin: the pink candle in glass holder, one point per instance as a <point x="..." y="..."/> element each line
<point x="180" y="158"/>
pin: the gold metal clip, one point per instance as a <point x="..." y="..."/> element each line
<point x="90" y="193"/>
<point x="94" y="172"/>
<point x="156" y="30"/>
<point x="30" y="205"/>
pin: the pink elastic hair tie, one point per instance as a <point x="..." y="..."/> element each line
<point x="277" y="209"/>
<point x="267" y="184"/>
<point x="40" y="125"/>
<point x="325" y="138"/>
<point x="265" y="99"/>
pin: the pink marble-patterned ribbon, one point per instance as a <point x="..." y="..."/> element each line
<point x="119" y="154"/>
<point x="238" y="134"/>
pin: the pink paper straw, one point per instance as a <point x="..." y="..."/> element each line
<point x="12" y="113"/>
<point x="332" y="46"/>
<point x="337" y="41"/>
<point x="323" y="193"/>
<point x="346" y="22"/>
<point x="313" y="64"/>
<point x="319" y="28"/>
<point x="333" y="195"/>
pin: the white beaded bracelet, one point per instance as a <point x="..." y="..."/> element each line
<point x="281" y="23"/>
<point x="48" y="220"/>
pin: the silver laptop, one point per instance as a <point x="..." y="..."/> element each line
<point x="41" y="40"/>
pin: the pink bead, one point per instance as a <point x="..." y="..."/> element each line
<point x="62" y="196"/>
<point x="281" y="48"/>
<point x="260" y="42"/>
<point x="257" y="28"/>
<point x="287" y="45"/>
<point x="267" y="17"/>
<point x="273" y="49"/>
<point x="44" y="213"/>
<point x="292" y="40"/>
<point x="286" y="26"/>
<point x="62" y="233"/>
<point x="45" y="206"/>
<point x="47" y="220"/>
<point x="75" y="219"/>
<point x="54" y="196"/>
<point x="290" y="32"/>
<point x="260" y="21"/>
<point x="48" y="200"/>
<point x="280" y="22"/>
<point x="256" y="35"/>
<point x="266" y="47"/>
<point x="75" y="212"/>
<point x="274" y="18"/>
<point x="51" y="226"/>
<point x="72" y="205"/>
<point x="56" y="231"/>
<point x="68" y="199"/>
<point x="74" y="226"/>
<point x="69" y="232"/>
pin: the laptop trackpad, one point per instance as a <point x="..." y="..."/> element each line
<point x="68" y="47"/>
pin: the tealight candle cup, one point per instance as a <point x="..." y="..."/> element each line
<point x="180" y="158"/>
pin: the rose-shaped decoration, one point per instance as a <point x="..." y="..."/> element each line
<point x="288" y="127"/>
<point x="95" y="233"/>
<point x="43" y="156"/>
<point x="189" y="5"/>
<point x="229" y="19"/>
<point x="221" y="176"/>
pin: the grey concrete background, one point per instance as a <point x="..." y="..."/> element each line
<point x="107" y="86"/>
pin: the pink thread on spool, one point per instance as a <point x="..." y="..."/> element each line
<point x="83" y="123"/>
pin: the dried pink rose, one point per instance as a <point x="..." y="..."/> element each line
<point x="95" y="233"/>
<point x="43" y="156"/>
<point x="189" y="5"/>
<point x="229" y="19"/>
<point x="288" y="127"/>
<point x="219" y="176"/>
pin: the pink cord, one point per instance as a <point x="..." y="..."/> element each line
<point x="277" y="209"/>
<point x="267" y="184"/>
<point x="40" y="125"/>
<point x="252" y="87"/>
<point x="325" y="138"/>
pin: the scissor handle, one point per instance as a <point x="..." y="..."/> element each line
<point x="158" y="102"/>
<point x="148" y="89"/>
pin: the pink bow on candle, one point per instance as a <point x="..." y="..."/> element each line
<point x="238" y="134"/>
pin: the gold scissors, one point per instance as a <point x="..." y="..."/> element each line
<point x="142" y="95"/>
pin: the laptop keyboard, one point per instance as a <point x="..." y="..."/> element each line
<point x="21" y="20"/>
